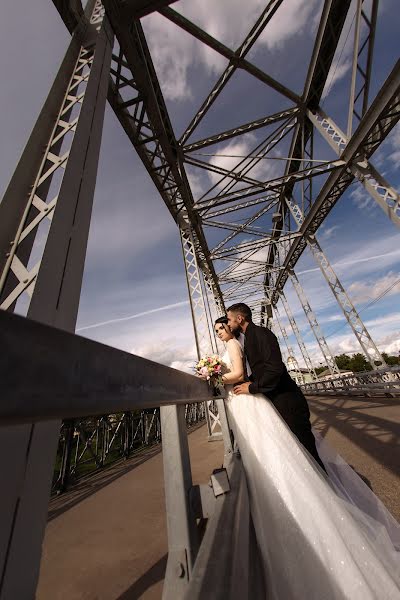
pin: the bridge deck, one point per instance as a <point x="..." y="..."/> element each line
<point x="106" y="540"/>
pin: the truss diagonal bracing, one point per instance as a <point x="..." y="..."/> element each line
<point x="260" y="161"/>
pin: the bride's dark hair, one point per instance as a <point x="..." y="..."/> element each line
<point x="221" y="320"/>
<point x="224" y="320"/>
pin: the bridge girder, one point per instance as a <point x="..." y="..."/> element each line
<point x="145" y="119"/>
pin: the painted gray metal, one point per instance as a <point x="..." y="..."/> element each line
<point x="88" y="378"/>
<point x="55" y="297"/>
<point x="183" y="535"/>
<point x="222" y="569"/>
<point x="54" y="282"/>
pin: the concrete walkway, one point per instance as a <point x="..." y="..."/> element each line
<point x="366" y="433"/>
<point x="107" y="540"/>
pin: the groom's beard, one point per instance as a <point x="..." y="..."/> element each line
<point x="236" y="330"/>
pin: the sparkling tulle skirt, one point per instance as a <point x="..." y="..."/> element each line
<point x="320" y="538"/>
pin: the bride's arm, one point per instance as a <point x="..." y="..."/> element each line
<point x="236" y="374"/>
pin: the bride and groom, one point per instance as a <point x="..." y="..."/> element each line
<point x="322" y="533"/>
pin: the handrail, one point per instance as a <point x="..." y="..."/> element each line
<point x="380" y="381"/>
<point x="49" y="374"/>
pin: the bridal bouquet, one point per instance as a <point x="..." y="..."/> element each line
<point x="210" y="367"/>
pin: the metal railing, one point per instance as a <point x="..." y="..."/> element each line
<point x="48" y="375"/>
<point x="88" y="445"/>
<point x="382" y="382"/>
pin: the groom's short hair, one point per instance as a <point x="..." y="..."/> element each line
<point x="242" y="309"/>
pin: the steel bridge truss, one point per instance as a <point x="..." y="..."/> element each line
<point x="267" y="223"/>
<point x="261" y="244"/>
<point x="241" y="238"/>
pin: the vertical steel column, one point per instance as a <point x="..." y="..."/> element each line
<point x="357" y="27"/>
<point x="367" y="344"/>
<point x="27" y="452"/>
<point x="201" y="325"/>
<point x="65" y="469"/>
<point x="297" y="333"/>
<point x="362" y="67"/>
<point x="196" y="296"/>
<point x="217" y="309"/>
<point x="183" y="539"/>
<point x="291" y="356"/>
<point x="266" y="312"/>
<point x="275" y="330"/>
<point x="316" y="329"/>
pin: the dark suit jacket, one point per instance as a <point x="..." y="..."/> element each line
<point x="268" y="373"/>
<point x="270" y="377"/>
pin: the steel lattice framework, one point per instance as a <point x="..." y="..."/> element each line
<point x="267" y="223"/>
<point x="241" y="238"/>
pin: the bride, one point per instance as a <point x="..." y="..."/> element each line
<point x="320" y="538"/>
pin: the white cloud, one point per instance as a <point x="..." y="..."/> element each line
<point x="327" y="232"/>
<point x="338" y="72"/>
<point x="195" y="182"/>
<point x="362" y="291"/>
<point x="135" y="316"/>
<point x="175" y="52"/>
<point x="169" y="351"/>
<point x="230" y="155"/>
<point x="362" y="199"/>
<point x="389" y="319"/>
<point x="395" y="145"/>
<point x="288" y="22"/>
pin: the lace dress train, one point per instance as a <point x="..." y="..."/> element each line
<point x="320" y="538"/>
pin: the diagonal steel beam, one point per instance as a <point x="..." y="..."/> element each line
<point x="259" y="26"/>
<point x="373" y="129"/>
<point x="241" y="129"/>
<point x="236" y="60"/>
<point x="136" y="9"/>
<point x="382" y="192"/>
<point x="273" y="185"/>
<point x="331" y="24"/>
<point x="177" y="195"/>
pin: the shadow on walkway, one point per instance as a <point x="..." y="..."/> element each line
<point x="92" y="483"/>
<point x="377" y="436"/>
<point x="153" y="575"/>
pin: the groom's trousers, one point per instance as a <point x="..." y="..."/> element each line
<point x="293" y="408"/>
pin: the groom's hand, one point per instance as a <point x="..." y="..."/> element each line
<point x="241" y="388"/>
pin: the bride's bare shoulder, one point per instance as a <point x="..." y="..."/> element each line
<point x="233" y="342"/>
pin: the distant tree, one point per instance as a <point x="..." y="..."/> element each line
<point x="343" y="362"/>
<point x="319" y="370"/>
<point x="358" y="363"/>
<point x="391" y="360"/>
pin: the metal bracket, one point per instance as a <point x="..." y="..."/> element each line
<point x="220" y="482"/>
<point x="202" y="500"/>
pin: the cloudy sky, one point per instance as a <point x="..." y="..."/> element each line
<point x="134" y="292"/>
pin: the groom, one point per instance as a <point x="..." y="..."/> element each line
<point x="270" y="377"/>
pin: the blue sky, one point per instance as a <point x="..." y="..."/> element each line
<point x="134" y="263"/>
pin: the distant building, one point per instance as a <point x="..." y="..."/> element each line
<point x="326" y="375"/>
<point x="306" y="376"/>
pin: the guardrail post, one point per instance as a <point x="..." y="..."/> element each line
<point x="65" y="470"/>
<point x="183" y="539"/>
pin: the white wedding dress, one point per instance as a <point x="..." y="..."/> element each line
<point x="320" y="538"/>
